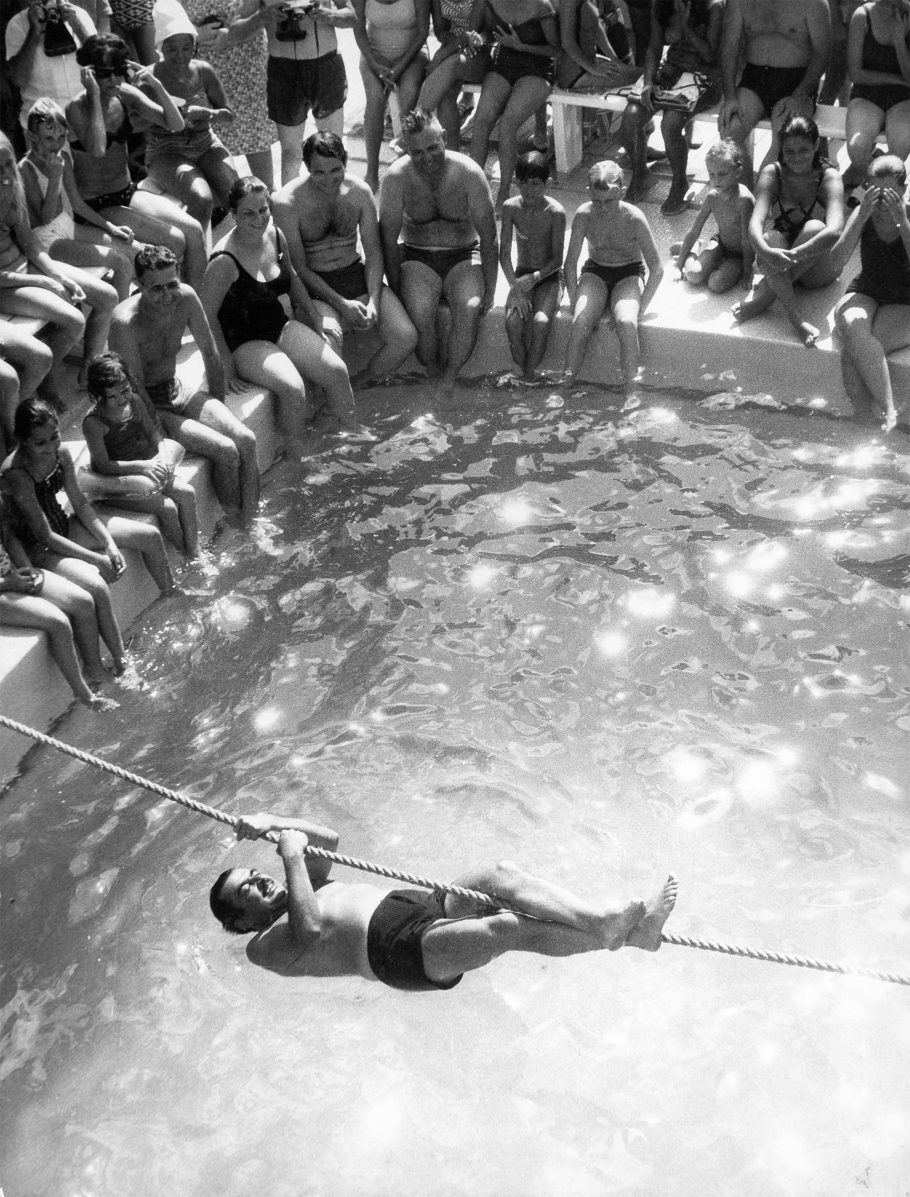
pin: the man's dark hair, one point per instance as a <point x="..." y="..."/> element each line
<point x="418" y="120"/>
<point x="105" y="370"/>
<point x="532" y="165"/>
<point x="153" y="257"/>
<point x="326" y="145"/>
<point x="30" y="415"/>
<point x="224" y="910"/>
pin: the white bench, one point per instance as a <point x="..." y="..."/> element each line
<point x="568" y="121"/>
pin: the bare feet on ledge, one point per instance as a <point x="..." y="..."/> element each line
<point x="647" y="932"/>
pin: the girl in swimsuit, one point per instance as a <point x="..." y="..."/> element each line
<point x="191" y="163"/>
<point x="31" y="284"/>
<point x="101" y="170"/>
<point x="878" y="64"/>
<point x="248" y="272"/>
<point x="873" y="318"/>
<point x="51" y="217"/>
<point x="34" y="598"/>
<point x="526" y="37"/>
<point x="79" y="547"/>
<point x="797" y="218"/>
<point x="53" y="201"/>
<point x="390" y="35"/>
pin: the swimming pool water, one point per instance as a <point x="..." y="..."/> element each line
<point x="603" y="645"/>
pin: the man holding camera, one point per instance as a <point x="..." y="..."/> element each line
<point x="305" y="71"/>
<point x="41" y="45"/>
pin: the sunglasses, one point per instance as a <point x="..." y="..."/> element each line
<point x="110" y="72"/>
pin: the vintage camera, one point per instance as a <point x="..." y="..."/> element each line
<point x="290" y="25"/>
<point x="57" y="38"/>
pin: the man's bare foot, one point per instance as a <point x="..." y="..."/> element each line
<point x="807" y="333"/>
<point x="98" y="702"/>
<point x="614" y="926"/>
<point x="744" y="310"/>
<point x="647" y="933"/>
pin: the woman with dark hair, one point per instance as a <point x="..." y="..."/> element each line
<point x="525" y="34"/>
<point x="685" y="37"/>
<point x="102" y="118"/>
<point x="247" y="274"/>
<point x="797" y="220"/>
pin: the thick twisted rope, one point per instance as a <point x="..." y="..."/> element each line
<point x="352" y="862"/>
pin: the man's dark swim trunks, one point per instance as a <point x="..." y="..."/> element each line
<point x="393" y="938"/>
<point x="350" y="282"/>
<point x="771" y="84"/>
<point x="168" y="396"/>
<point x="441" y="261"/>
<point x="611" y="275"/>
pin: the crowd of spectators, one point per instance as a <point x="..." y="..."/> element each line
<point x="130" y="130"/>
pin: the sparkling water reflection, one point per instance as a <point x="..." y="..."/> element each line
<point x="604" y="646"/>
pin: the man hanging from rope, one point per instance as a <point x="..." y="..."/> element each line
<point x="411" y="939"/>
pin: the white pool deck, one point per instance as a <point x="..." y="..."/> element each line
<point x="690" y="341"/>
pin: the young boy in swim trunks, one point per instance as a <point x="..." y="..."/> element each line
<point x="873" y="318"/>
<point x="621" y="245"/>
<point x="411" y="939"/>
<point x="727" y="257"/>
<point x="535" y="282"/>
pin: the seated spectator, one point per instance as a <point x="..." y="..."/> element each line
<point x="679" y="83"/>
<point x="31" y="284"/>
<point x="439" y="202"/>
<point x="535" y="280"/>
<point x="191" y="163"/>
<point x="727" y="257"/>
<point x="321" y="216"/>
<point x="463" y="57"/>
<point x="24" y="364"/>
<point x="147" y="331"/>
<point x="102" y="118"/>
<point x="797" y="219"/>
<point x="621" y="245"/>
<point x="786" y="48"/>
<point x="79" y="546"/>
<point x="46" y="25"/>
<point x="53" y="197"/>
<point x="248" y="272"/>
<point x="390" y="35"/>
<point x="873" y="318"/>
<point x="878" y="63"/>
<point x="595" y="46"/>
<point x="37" y="598"/>
<point x="526" y="37"/>
<point x="127" y="449"/>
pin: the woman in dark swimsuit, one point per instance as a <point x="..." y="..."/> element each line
<point x="797" y="219"/>
<point x="526" y="37"/>
<point x="247" y="274"/>
<point x="878" y="64"/>
<point x="102" y="171"/>
<point x="873" y="318"/>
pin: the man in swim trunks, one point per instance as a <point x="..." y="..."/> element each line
<point x="321" y="216"/>
<point x="787" y="47"/>
<point x="440" y="203"/>
<point x="147" y="331"/>
<point x="411" y="939"/>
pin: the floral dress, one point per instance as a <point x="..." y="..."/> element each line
<point x="242" y="71"/>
